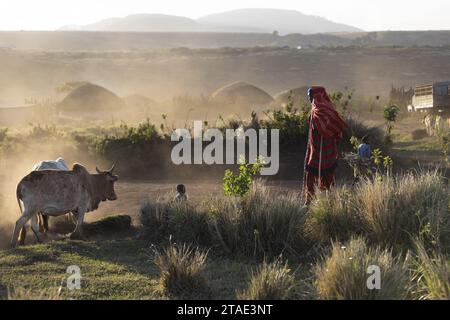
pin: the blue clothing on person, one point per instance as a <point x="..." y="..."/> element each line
<point x="364" y="151"/>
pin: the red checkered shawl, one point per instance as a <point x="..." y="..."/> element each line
<point x="326" y="128"/>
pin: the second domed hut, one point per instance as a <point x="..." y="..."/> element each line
<point x="242" y="95"/>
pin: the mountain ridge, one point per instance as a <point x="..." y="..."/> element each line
<point x="250" y="20"/>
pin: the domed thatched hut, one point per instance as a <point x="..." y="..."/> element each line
<point x="299" y="96"/>
<point x="91" y="99"/>
<point x="138" y="101"/>
<point x="242" y="93"/>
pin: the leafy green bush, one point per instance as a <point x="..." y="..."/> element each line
<point x="292" y="123"/>
<point x="3" y="134"/>
<point x="240" y="184"/>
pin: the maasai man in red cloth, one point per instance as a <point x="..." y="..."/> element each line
<point x="325" y="130"/>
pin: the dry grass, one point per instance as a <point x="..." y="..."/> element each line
<point x="333" y="216"/>
<point x="344" y="273"/>
<point x="431" y="275"/>
<point x="261" y="224"/>
<point x="20" y="293"/>
<point x="387" y="212"/>
<point x="180" y="271"/>
<point x="410" y="205"/>
<point x="271" y="281"/>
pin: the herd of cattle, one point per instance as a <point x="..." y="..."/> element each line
<point x="51" y="189"/>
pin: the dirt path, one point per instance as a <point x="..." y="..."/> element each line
<point x="131" y="194"/>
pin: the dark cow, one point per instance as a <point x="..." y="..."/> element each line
<point x="55" y="193"/>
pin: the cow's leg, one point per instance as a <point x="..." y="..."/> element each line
<point x="19" y="224"/>
<point x="35" y="227"/>
<point x="78" y="232"/>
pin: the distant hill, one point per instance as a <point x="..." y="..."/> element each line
<point x="238" y="21"/>
<point x="269" y="20"/>
<point x="145" y="22"/>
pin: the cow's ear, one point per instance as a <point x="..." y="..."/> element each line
<point x="98" y="171"/>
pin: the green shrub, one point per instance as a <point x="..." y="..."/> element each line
<point x="3" y="134"/>
<point x="292" y="123"/>
<point x="180" y="271"/>
<point x="271" y="281"/>
<point x="344" y="273"/>
<point x="240" y="184"/>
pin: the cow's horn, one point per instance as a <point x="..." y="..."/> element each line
<point x="98" y="171"/>
<point x="112" y="168"/>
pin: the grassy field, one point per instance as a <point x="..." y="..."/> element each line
<point x="114" y="269"/>
<point x="261" y="246"/>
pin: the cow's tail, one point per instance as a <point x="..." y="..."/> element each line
<point x="23" y="232"/>
<point x="19" y="197"/>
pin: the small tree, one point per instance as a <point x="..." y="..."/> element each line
<point x="390" y="115"/>
<point x="239" y="184"/>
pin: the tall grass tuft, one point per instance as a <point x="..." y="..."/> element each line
<point x="410" y="205"/>
<point x="344" y="273"/>
<point x="21" y="293"/>
<point x="386" y="211"/>
<point x="180" y="271"/>
<point x="333" y="216"/>
<point x="431" y="275"/>
<point x="182" y="221"/>
<point x="261" y="224"/>
<point x="271" y="281"/>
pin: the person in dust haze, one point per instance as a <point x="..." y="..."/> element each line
<point x="181" y="193"/>
<point x="326" y="128"/>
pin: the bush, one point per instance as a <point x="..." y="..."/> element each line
<point x="431" y="275"/>
<point x="271" y="281"/>
<point x="180" y="267"/>
<point x="359" y="130"/>
<point x="344" y="274"/>
<point x="240" y="184"/>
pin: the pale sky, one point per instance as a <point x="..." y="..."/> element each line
<point x="369" y="15"/>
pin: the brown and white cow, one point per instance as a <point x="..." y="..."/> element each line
<point x="56" y="192"/>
